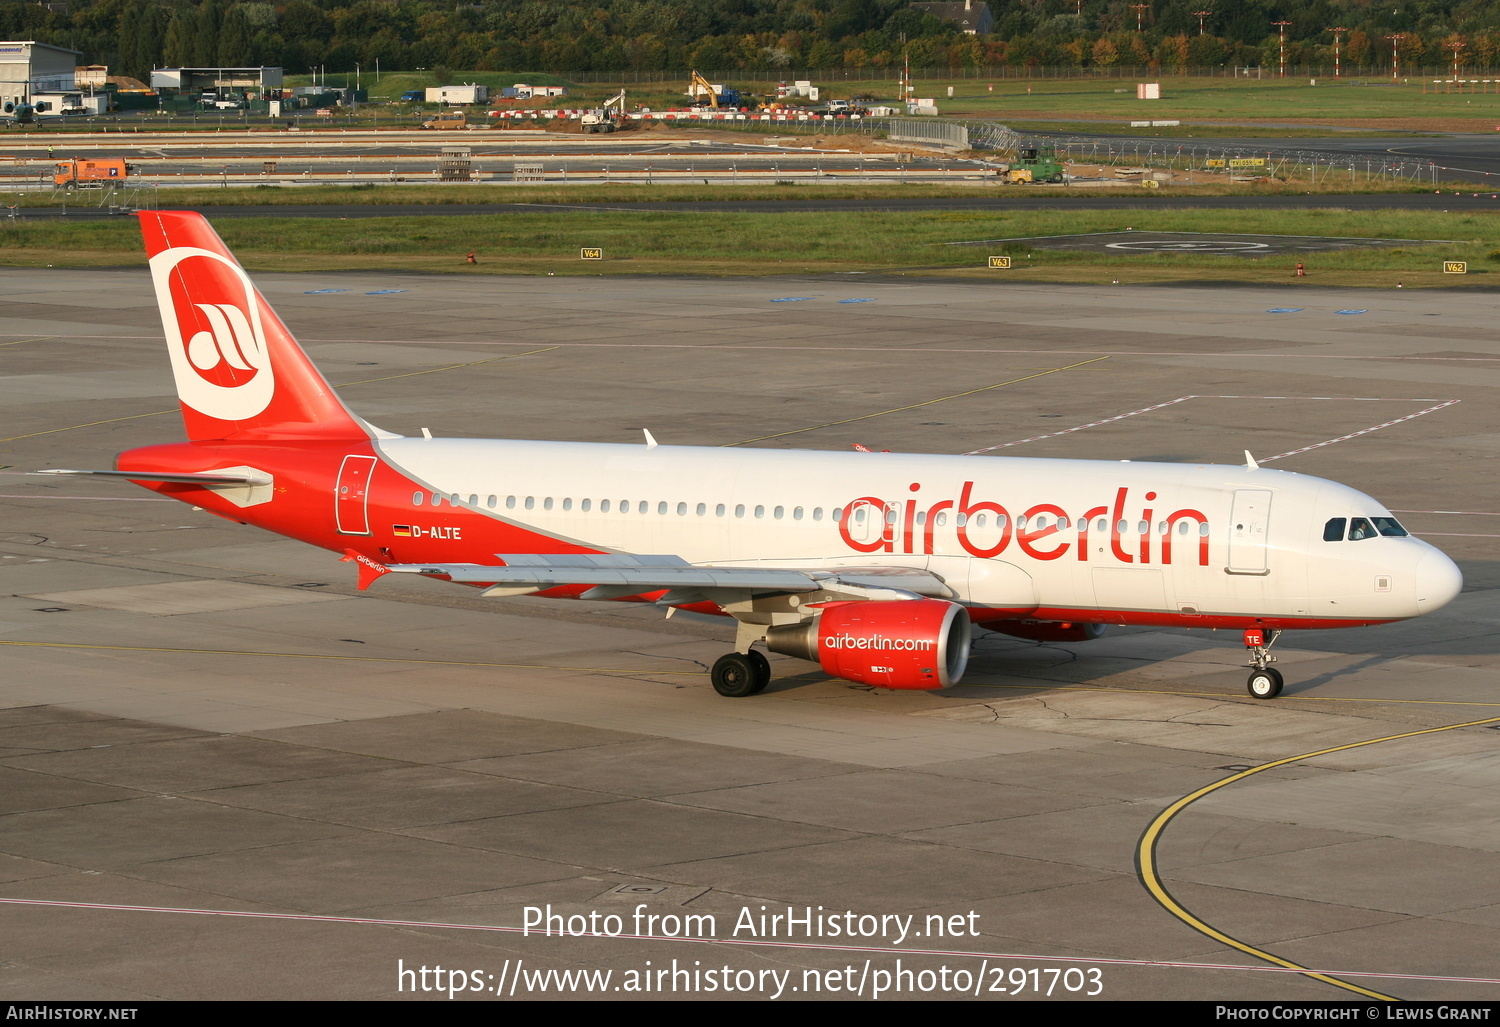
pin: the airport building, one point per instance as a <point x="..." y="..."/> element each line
<point x="28" y="68"/>
<point x="220" y="81"/>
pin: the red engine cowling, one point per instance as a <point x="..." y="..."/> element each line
<point x="1049" y="631"/>
<point x="910" y="643"/>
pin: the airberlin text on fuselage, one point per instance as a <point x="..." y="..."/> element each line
<point x="910" y="527"/>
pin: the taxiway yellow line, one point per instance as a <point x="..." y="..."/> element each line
<point x="89" y="424"/>
<point x="911" y="406"/>
<point x="363" y="381"/>
<point x="1146" y="863"/>
<point x="449" y="367"/>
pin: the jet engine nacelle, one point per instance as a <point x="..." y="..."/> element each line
<point x="1049" y="631"/>
<point x="909" y="643"/>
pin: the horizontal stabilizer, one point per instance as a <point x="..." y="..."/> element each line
<point x="174" y="479"/>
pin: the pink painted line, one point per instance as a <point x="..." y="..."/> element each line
<point x="1460" y="513"/>
<point x="738" y="942"/>
<point x="1451" y="534"/>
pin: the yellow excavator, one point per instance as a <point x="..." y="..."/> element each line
<point x="705" y="95"/>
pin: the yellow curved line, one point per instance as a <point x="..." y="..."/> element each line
<point x="912" y="406"/>
<point x="1145" y="856"/>
<point x="320" y="656"/>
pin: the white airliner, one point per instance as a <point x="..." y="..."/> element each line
<point x="873" y="565"/>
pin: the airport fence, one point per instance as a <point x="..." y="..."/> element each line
<point x="1207" y="162"/>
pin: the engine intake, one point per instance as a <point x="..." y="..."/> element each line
<point x="909" y="643"/>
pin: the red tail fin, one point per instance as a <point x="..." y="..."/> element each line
<point x="239" y="371"/>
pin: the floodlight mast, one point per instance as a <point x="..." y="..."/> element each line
<point x="1455" y="46"/>
<point x="1336" y="32"/>
<point x="1395" y="55"/>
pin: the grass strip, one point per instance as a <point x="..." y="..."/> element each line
<point x="657" y="242"/>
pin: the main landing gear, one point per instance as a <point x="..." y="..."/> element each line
<point x="737" y="675"/>
<point x="1265" y="681"/>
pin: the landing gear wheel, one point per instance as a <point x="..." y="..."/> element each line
<point x="1264" y="684"/>
<point x="734" y="676"/>
<point x="761" y="668"/>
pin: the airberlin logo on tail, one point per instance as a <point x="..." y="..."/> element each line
<point x="214" y="333"/>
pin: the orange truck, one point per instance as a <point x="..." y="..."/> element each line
<point x="75" y="173"/>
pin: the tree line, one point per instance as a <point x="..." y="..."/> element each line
<point x="562" y="36"/>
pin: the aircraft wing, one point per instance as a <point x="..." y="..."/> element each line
<point x="617" y="575"/>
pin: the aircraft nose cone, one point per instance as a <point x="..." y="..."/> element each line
<point x="1438" y="581"/>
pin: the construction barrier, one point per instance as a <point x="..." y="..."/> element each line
<point x="573" y="114"/>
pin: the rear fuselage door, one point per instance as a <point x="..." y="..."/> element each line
<point x="352" y="495"/>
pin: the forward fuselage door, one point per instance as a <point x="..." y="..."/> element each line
<point x="1249" y="524"/>
<point x="352" y="495"/>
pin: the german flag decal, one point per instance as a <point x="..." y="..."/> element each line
<point x="401" y="530"/>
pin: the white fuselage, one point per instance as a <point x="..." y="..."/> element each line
<point x="1127" y="542"/>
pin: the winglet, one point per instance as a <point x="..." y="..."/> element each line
<point x="1250" y="464"/>
<point x="368" y="569"/>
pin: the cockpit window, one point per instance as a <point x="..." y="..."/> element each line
<point x="1360" y="528"/>
<point x="1333" y="531"/>
<point x="1390" y="527"/>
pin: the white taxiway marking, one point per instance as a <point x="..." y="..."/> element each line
<point x="1438" y="405"/>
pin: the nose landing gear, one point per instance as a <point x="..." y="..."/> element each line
<point x="1265" y="681"/>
